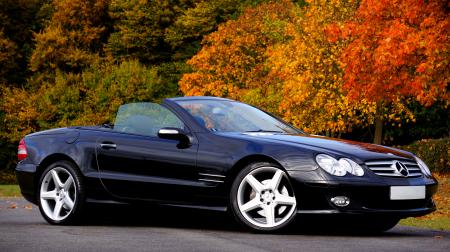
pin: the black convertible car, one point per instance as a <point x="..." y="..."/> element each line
<point x="219" y="154"/>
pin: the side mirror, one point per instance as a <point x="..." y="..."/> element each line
<point x="173" y="134"/>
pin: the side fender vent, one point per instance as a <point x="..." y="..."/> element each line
<point x="214" y="178"/>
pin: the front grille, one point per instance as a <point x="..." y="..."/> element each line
<point x="388" y="168"/>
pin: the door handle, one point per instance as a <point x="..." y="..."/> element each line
<point x="108" y="145"/>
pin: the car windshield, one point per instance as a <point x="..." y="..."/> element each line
<point x="231" y="116"/>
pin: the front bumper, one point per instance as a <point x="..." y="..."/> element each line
<point x="368" y="196"/>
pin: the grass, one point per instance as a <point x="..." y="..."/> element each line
<point x="440" y="219"/>
<point x="10" y="191"/>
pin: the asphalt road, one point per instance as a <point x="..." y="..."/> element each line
<point x="167" y="229"/>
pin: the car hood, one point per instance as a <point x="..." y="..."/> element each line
<point x="362" y="151"/>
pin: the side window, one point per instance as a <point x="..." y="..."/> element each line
<point x="145" y="118"/>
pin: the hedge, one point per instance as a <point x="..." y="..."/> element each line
<point x="434" y="152"/>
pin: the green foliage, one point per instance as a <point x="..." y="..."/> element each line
<point x="171" y="72"/>
<point x="8" y="51"/>
<point x="140" y="28"/>
<point x="434" y="152"/>
<point x="90" y="97"/>
<point x="18" y="20"/>
<point x="73" y="39"/>
<point x="429" y="122"/>
<point x="202" y="18"/>
<point x="161" y="31"/>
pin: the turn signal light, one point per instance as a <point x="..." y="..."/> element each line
<point x="22" y="150"/>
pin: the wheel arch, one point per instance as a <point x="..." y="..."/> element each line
<point x="50" y="159"/>
<point x="241" y="163"/>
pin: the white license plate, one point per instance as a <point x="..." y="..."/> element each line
<point x="407" y="192"/>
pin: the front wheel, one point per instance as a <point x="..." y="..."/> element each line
<point x="61" y="193"/>
<point x="262" y="197"/>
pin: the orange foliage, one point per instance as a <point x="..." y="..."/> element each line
<point x="281" y="57"/>
<point x="308" y="67"/>
<point x="232" y="60"/>
<point x="331" y="65"/>
<point x="399" y="48"/>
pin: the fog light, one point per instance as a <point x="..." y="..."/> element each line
<point x="340" y="201"/>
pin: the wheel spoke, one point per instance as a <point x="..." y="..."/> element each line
<point x="270" y="214"/>
<point x="254" y="183"/>
<point x="56" y="179"/>
<point x="275" y="181"/>
<point x="68" y="183"/>
<point x="263" y="197"/>
<point x="57" y="209"/>
<point x="252" y="204"/>
<point x="68" y="202"/>
<point x="49" y="195"/>
<point x="282" y="199"/>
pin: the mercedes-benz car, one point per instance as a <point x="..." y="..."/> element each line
<point x="223" y="155"/>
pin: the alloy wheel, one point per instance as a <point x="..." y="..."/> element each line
<point x="265" y="198"/>
<point x="58" y="194"/>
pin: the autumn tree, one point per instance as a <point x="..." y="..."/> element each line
<point x="186" y="32"/>
<point x="88" y="98"/>
<point x="140" y="27"/>
<point x="279" y="56"/>
<point x="164" y="33"/>
<point x="308" y="69"/>
<point x="8" y="51"/>
<point x="18" y="20"/>
<point x="73" y="38"/>
<point x="232" y="61"/>
<point x="159" y="31"/>
<point x="398" y="52"/>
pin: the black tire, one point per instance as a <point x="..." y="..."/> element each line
<point x="73" y="216"/>
<point x="234" y="201"/>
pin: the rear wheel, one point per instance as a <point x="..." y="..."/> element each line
<point x="262" y="197"/>
<point x="61" y="193"/>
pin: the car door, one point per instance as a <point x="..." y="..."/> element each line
<point x="134" y="162"/>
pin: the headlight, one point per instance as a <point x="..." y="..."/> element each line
<point x="339" y="167"/>
<point x="352" y="167"/>
<point x="423" y="167"/>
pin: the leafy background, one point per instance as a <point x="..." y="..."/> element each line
<point x="357" y="69"/>
<point x="367" y="70"/>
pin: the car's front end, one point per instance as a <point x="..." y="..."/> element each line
<point x="395" y="187"/>
<point x="335" y="176"/>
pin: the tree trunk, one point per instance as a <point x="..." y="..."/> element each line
<point x="378" y="127"/>
<point x="378" y="131"/>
